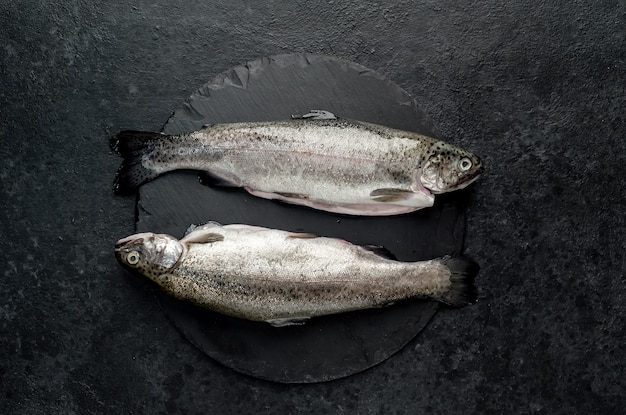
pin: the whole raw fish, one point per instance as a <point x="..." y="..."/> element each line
<point x="326" y="163"/>
<point x="280" y="277"/>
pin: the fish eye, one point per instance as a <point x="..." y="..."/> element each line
<point x="465" y="164"/>
<point x="133" y="258"/>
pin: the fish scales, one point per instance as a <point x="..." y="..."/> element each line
<point x="332" y="165"/>
<point x="309" y="281"/>
<point x="293" y="147"/>
<point x="284" y="276"/>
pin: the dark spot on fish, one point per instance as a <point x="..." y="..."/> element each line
<point x="400" y="176"/>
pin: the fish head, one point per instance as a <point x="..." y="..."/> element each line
<point x="149" y="254"/>
<point x="450" y="168"/>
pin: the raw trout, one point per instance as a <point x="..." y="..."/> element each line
<point x="326" y="163"/>
<point x="281" y="277"/>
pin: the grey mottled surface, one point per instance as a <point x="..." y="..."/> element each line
<point x="537" y="89"/>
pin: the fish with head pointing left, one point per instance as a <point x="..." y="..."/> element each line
<point x="281" y="277"/>
<point x="319" y="161"/>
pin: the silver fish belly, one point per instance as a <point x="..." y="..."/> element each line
<point x="279" y="277"/>
<point x="335" y="165"/>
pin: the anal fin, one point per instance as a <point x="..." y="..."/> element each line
<point x="208" y="178"/>
<point x="381" y="251"/>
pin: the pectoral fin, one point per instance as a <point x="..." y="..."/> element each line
<point x="391" y="195"/>
<point x="197" y="228"/>
<point x="202" y="237"/>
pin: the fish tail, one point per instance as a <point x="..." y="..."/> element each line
<point x="462" y="273"/>
<point x="132" y="145"/>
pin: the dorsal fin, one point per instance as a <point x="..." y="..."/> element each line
<point x="315" y="115"/>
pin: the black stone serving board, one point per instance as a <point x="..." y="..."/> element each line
<point x="324" y="348"/>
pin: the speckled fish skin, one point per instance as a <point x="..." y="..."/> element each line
<point x="336" y="165"/>
<point x="276" y="276"/>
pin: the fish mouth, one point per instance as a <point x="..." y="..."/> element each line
<point x="133" y="239"/>
<point x="435" y="188"/>
<point x="466" y="181"/>
<point x="122" y="242"/>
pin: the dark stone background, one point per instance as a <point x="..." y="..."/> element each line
<point x="536" y="88"/>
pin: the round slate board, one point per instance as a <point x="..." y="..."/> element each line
<point x="324" y="348"/>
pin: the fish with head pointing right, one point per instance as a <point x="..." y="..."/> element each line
<point x="322" y="162"/>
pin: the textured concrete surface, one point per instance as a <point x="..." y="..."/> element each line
<point x="536" y="88"/>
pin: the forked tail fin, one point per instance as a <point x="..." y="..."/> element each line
<point x="462" y="273"/>
<point x="132" y="145"/>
